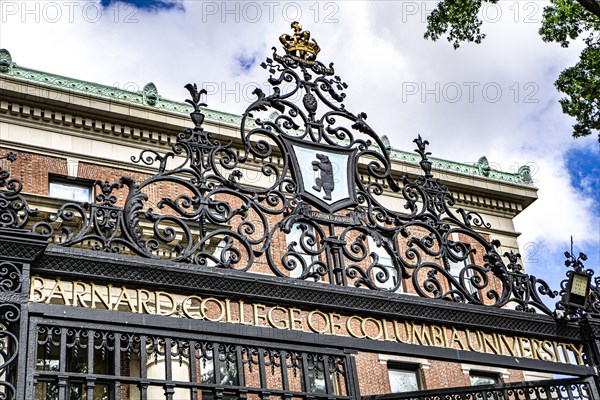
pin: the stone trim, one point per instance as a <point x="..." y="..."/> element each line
<point x="468" y="368"/>
<point x="422" y="363"/>
<point x="86" y="123"/>
<point x="115" y="132"/>
<point x="138" y="99"/>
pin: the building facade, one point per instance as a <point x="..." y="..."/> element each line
<point x="288" y="253"/>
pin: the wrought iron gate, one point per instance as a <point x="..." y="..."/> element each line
<point x="74" y="360"/>
<point x="219" y="226"/>
<point x="566" y="389"/>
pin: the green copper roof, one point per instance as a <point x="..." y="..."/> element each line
<point x="149" y="97"/>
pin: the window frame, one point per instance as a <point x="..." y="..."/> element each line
<point x="72" y="182"/>
<point x="501" y="373"/>
<point x="405" y="367"/>
<point x="485" y="374"/>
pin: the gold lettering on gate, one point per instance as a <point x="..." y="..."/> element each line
<point x="142" y="301"/>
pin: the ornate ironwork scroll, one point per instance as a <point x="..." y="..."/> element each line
<point x="10" y="315"/>
<point x="221" y="219"/>
<point x="303" y="194"/>
<point x="15" y="212"/>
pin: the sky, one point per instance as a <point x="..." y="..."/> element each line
<point x="495" y="99"/>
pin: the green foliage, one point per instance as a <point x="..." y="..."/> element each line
<point x="563" y="21"/>
<point x="581" y="84"/>
<point x="458" y="18"/>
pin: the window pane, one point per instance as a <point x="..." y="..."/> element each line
<point x="456" y="268"/>
<point x="295" y="238"/>
<point x="479" y="379"/>
<point x="46" y="391"/>
<point x="101" y="392"/>
<point x="316" y="375"/>
<point x="77" y="359"/>
<point x="70" y="191"/>
<point x="48" y="349"/>
<point x="77" y="391"/>
<point x="403" y="380"/>
<point x="385" y="260"/>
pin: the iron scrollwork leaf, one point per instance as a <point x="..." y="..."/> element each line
<point x="218" y="203"/>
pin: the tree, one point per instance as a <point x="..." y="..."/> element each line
<point x="562" y="22"/>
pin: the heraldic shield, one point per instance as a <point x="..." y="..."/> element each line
<point x="310" y="141"/>
<point x="324" y="174"/>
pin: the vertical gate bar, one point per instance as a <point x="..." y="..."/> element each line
<point x="284" y="373"/>
<point x="193" y="372"/>
<point x="217" y="370"/>
<point x="31" y="361"/>
<point x="117" y="367"/>
<point x="242" y="394"/>
<point x="90" y="382"/>
<point x="351" y="377"/>
<point x="304" y="371"/>
<point x="169" y="386"/>
<point x="62" y="387"/>
<point x="261" y="368"/>
<point x="331" y="254"/>
<point x="240" y="366"/>
<point x="569" y="392"/>
<point x="62" y="379"/>
<point x="216" y="364"/>
<point x="593" y="389"/>
<point x="143" y="369"/>
<point x="62" y="361"/>
<point x="23" y="351"/>
<point x="326" y="376"/>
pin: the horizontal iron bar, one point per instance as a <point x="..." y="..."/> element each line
<point x="474" y="390"/>
<point x="236" y="333"/>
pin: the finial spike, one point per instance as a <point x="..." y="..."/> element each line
<point x="425" y="163"/>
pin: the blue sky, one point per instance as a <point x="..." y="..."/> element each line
<point x="584" y="168"/>
<point x="148" y="5"/>
<point x="403" y="82"/>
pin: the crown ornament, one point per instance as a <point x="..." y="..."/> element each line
<point x="299" y="44"/>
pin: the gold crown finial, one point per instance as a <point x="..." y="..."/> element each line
<point x="299" y="44"/>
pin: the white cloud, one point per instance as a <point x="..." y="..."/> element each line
<point x="378" y="50"/>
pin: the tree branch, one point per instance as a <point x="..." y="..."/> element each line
<point x="592" y="6"/>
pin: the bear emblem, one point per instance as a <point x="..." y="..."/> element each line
<point x="324" y="180"/>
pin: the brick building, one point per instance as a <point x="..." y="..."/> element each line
<point x="243" y="262"/>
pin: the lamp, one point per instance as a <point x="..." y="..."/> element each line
<point x="577" y="291"/>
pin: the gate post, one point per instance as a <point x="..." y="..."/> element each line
<point x="590" y="331"/>
<point x="18" y="249"/>
<point x="21" y="242"/>
<point x="352" y="374"/>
